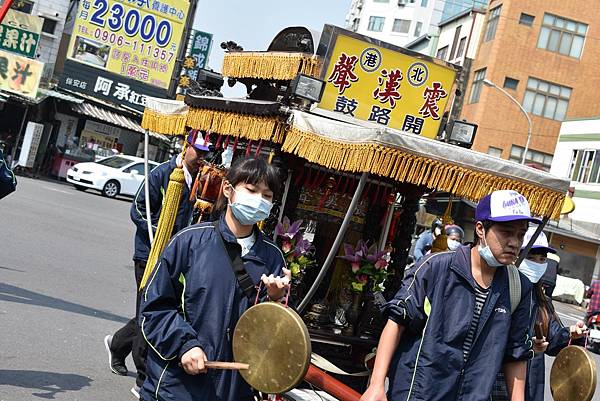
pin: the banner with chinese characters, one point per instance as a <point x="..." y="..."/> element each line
<point x="107" y="86"/>
<point x="19" y="74"/>
<point x="387" y="87"/>
<point x="199" y="49"/>
<point x="136" y="39"/>
<point x="20" y="33"/>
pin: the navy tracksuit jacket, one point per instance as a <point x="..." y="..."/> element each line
<point x="435" y="304"/>
<point x="194" y="300"/>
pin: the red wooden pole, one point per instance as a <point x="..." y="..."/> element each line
<point x="4" y="9"/>
<point x="331" y="386"/>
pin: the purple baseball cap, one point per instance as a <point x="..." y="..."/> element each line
<point x="502" y="206"/>
<point x="196" y="139"/>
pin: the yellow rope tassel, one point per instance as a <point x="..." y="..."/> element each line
<point x="166" y="221"/>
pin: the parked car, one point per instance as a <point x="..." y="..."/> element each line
<point x="116" y="175"/>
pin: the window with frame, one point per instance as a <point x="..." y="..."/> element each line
<point x="376" y="24"/>
<point x="546" y="99"/>
<point x="25" y="6"/>
<point x="544" y="160"/>
<point x="418" y="28"/>
<point x="496" y="152"/>
<point x="441" y="53"/>
<point x="139" y="167"/>
<point x="461" y="47"/>
<point x="478" y="78"/>
<point x="455" y="42"/>
<point x="49" y="25"/>
<point x="492" y="24"/>
<point x="401" y="26"/>
<point x="424" y="3"/>
<point x="510" y="83"/>
<point x="526" y="19"/>
<point x="585" y="166"/>
<point x="561" y="35"/>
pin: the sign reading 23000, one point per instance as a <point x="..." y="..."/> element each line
<point x="138" y="39"/>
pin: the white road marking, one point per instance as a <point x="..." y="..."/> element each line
<point x="58" y="190"/>
<point x="570" y="317"/>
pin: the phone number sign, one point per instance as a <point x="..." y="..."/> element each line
<point x="136" y="39"/>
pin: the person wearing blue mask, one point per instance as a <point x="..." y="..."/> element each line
<point x="555" y="336"/>
<point x="454" y="237"/>
<point x="454" y="324"/>
<point x="204" y="281"/>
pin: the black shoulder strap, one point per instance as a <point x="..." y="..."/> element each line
<point x="237" y="265"/>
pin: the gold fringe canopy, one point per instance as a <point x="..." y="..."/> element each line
<point x="166" y="124"/>
<point x="251" y="127"/>
<point x="270" y="65"/>
<point x="406" y="167"/>
<point x="163" y="116"/>
<point x="166" y="220"/>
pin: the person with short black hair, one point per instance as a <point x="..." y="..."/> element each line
<point x="454" y="324"/>
<point x="195" y="297"/>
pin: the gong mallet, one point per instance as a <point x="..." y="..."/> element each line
<point x="225" y="365"/>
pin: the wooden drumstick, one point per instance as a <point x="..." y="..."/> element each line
<point x="226" y="365"/>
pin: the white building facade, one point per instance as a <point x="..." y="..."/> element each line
<point x="459" y="36"/>
<point x="394" y="21"/>
<point x="577" y="157"/>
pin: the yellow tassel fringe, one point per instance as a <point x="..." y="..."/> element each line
<point x="405" y="167"/>
<point x="270" y="65"/>
<point x="238" y="125"/>
<point x="166" y="221"/>
<point x="166" y="124"/>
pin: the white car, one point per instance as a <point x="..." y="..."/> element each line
<point x="116" y="175"/>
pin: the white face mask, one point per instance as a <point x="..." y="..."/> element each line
<point x="533" y="270"/>
<point x="453" y="244"/>
<point x="437" y="231"/>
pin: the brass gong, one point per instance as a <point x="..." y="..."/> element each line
<point x="573" y="375"/>
<point x="274" y="341"/>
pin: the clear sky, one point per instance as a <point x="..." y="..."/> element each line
<point x="254" y="23"/>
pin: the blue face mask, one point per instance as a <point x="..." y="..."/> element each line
<point x="250" y="209"/>
<point x="453" y="244"/>
<point x="486" y="254"/>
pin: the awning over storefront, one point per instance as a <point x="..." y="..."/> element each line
<point x="44" y="93"/>
<point x="110" y="117"/>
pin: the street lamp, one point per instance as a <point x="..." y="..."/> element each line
<point x="493" y="85"/>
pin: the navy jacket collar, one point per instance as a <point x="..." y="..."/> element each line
<point x="257" y="248"/>
<point x="461" y="264"/>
